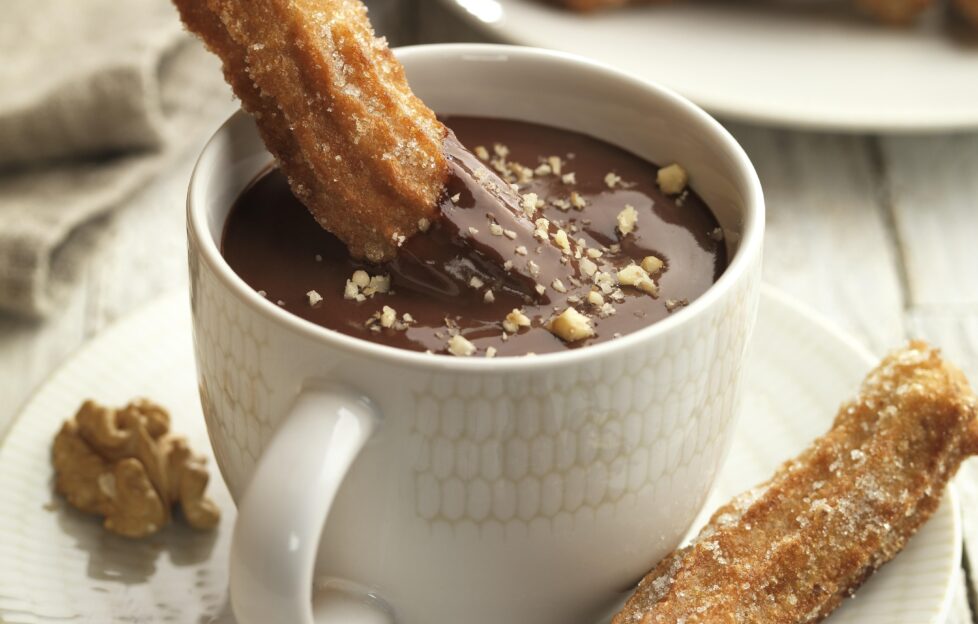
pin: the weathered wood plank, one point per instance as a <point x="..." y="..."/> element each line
<point x="828" y="241"/>
<point x="933" y="188"/>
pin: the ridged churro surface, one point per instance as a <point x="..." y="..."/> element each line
<point x="333" y="105"/>
<point x="791" y="549"/>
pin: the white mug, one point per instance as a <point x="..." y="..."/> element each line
<point x="443" y="490"/>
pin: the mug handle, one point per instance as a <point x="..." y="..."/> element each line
<point x="285" y="505"/>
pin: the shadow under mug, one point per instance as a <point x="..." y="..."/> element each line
<point x="438" y="490"/>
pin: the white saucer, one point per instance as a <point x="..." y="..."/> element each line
<point x="796" y="63"/>
<point x="60" y="565"/>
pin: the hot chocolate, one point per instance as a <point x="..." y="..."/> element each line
<point x="637" y="246"/>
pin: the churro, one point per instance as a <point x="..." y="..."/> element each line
<point x="360" y="150"/>
<point x="791" y="549"/>
<point x="368" y="159"/>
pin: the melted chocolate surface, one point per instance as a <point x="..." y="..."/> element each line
<point x="272" y="242"/>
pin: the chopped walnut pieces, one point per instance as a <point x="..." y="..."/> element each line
<point x="501" y="150"/>
<point x="314" y="297"/>
<point x="716" y="234"/>
<point x="488" y="297"/>
<point x="490" y="352"/>
<point x="388" y="317"/>
<point x="529" y="204"/>
<point x="361" y="285"/>
<point x="672" y="179"/>
<point x="594" y="253"/>
<point x="556" y="164"/>
<point x="475" y="282"/>
<point x="510" y="234"/>
<point x="636" y="276"/>
<point x="612" y="180"/>
<point x="473" y="230"/>
<point x="543" y="169"/>
<point x="605" y="281"/>
<point x="627" y="219"/>
<point x="456" y="197"/>
<point x="652" y="264"/>
<point x="424" y="224"/>
<point x="558" y="286"/>
<point x="125" y="465"/>
<point x="540" y="288"/>
<point x="360" y="278"/>
<point x="460" y="346"/>
<point x="481" y="152"/>
<point x="588" y="267"/>
<point x="569" y="178"/>
<point x="595" y="298"/>
<point x="495" y="229"/>
<point x="514" y="320"/>
<point x="673" y="304"/>
<point x="560" y="237"/>
<point x="521" y="250"/>
<point x="542" y="227"/>
<point x="577" y="200"/>
<point x="378" y="284"/>
<point x="571" y="326"/>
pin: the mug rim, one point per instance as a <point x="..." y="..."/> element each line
<point x="750" y="244"/>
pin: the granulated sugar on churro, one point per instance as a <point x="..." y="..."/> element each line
<point x="365" y="156"/>
<point x="360" y="150"/>
<point x="791" y="549"/>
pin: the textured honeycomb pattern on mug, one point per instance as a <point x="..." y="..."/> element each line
<point x="574" y="441"/>
<point x="234" y="392"/>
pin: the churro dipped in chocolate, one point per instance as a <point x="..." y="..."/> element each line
<point x="369" y="160"/>
<point x="791" y="549"/>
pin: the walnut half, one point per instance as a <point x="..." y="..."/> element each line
<point x="124" y="465"/>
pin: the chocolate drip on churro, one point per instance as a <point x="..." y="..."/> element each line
<point x="368" y="159"/>
<point x="483" y="223"/>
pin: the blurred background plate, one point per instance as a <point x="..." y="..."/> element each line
<point x="808" y="64"/>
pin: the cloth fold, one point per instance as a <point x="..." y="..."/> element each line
<point x="96" y="97"/>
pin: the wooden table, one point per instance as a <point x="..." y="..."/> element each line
<point x="879" y="234"/>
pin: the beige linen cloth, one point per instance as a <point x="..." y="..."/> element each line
<point x="96" y="96"/>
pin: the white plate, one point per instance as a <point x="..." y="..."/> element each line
<point x="798" y="63"/>
<point x="56" y="564"/>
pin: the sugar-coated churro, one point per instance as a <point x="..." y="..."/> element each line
<point x="360" y="150"/>
<point x="369" y="160"/>
<point x="791" y="549"/>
